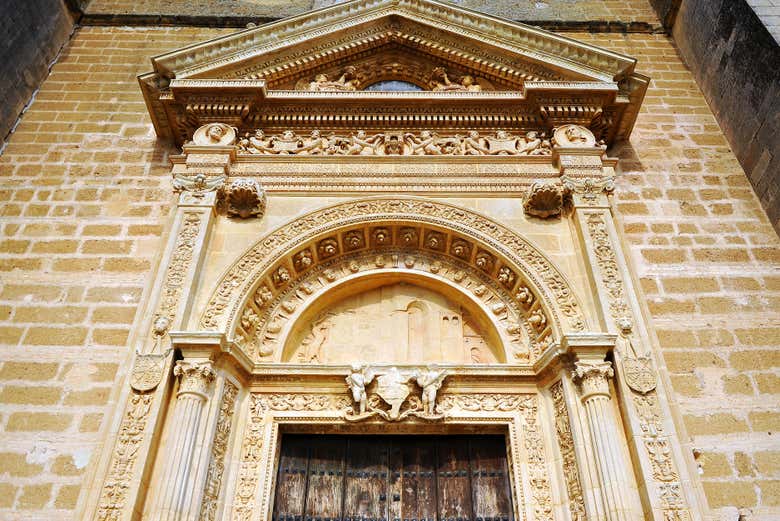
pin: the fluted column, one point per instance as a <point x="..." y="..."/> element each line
<point x="196" y="378"/>
<point x="593" y="377"/>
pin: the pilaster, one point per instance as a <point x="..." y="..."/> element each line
<point x="642" y="402"/>
<point x="123" y="475"/>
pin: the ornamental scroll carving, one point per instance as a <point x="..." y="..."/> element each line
<point x="424" y="143"/>
<point x="639" y="375"/>
<point x="241" y="278"/>
<point x="131" y="433"/>
<point x="219" y="446"/>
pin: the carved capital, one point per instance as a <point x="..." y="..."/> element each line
<point x="544" y="200"/>
<point x="588" y="191"/>
<point x="195" y="377"/>
<point x="197" y="183"/>
<point x="593" y="377"/>
<point x="243" y="198"/>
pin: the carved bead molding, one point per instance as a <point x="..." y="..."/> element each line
<point x="593" y="377"/>
<point x="195" y="377"/>
<point x="267" y="260"/>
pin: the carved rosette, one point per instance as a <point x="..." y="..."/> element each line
<point x="243" y="198"/>
<point x="593" y="377"/>
<point x="195" y="377"/>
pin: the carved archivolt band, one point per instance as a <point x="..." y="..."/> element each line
<point x="267" y="319"/>
<point x="494" y="250"/>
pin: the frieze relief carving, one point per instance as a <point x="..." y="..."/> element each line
<point x="219" y="448"/>
<point x="424" y="143"/>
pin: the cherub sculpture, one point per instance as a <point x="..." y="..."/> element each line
<point x="430" y="380"/>
<point x="357" y="381"/>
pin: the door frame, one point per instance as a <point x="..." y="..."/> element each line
<point x="515" y="415"/>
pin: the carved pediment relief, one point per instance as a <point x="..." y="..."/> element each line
<point x="315" y="70"/>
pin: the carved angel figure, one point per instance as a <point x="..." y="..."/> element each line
<point x="314" y="342"/>
<point x="425" y="145"/>
<point x="363" y="145"/>
<point x="430" y="381"/>
<point x="345" y="83"/>
<point x="357" y="381"/>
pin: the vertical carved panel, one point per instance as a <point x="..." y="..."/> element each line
<point x="640" y="378"/>
<point x="131" y="432"/>
<point x="251" y="457"/>
<point x="568" y="456"/>
<point x="537" y="462"/>
<point x="216" y="470"/>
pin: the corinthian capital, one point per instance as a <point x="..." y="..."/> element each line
<point x="593" y="377"/>
<point x="195" y="376"/>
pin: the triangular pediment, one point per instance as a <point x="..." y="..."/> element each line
<point x="529" y="78"/>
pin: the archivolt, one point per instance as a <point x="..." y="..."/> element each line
<point x="499" y="255"/>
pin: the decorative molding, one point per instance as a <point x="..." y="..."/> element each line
<point x="113" y="496"/>
<point x="261" y="330"/>
<point x="219" y="448"/>
<point x="539" y="473"/>
<point x="568" y="454"/>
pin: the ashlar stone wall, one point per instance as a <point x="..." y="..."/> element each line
<point x="85" y="201"/>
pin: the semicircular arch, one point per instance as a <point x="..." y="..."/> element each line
<point x="409" y="225"/>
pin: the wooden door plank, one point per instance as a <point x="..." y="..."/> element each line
<point x="366" y="480"/>
<point x="291" y="481"/>
<point x="453" y="480"/>
<point x="418" y="480"/>
<point x="326" y="478"/>
<point x="490" y="481"/>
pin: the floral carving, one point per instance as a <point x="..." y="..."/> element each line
<point x="249" y="464"/>
<point x="354" y="240"/>
<point x="195" y="376"/>
<point x="219" y="445"/>
<point x="537" y="464"/>
<point x="303" y="260"/>
<point x="327" y="248"/>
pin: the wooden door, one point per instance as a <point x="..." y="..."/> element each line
<point x="392" y="478"/>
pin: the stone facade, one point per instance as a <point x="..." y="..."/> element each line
<point x="86" y="213"/>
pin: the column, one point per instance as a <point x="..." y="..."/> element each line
<point x="196" y="377"/>
<point x="593" y="377"/>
